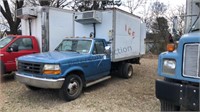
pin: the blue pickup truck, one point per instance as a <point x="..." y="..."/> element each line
<point x="181" y="72"/>
<point x="75" y="63"/>
<point x="113" y="46"/>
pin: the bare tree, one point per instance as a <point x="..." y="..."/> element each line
<point x="53" y="3"/>
<point x="158" y="9"/>
<point x="178" y="12"/>
<point x="134" y="4"/>
<point x="6" y="11"/>
<point x="158" y="27"/>
<point x="3" y="23"/>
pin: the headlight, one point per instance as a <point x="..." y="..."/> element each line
<point x="50" y="69"/>
<point x="169" y="66"/>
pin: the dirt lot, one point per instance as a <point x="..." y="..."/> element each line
<point x="114" y="95"/>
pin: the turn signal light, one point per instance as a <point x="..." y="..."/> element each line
<point x="170" y="47"/>
<point x="51" y="72"/>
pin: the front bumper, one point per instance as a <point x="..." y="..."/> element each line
<point x="40" y="82"/>
<point x="178" y="94"/>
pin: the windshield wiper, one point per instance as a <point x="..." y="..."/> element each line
<point x="73" y="51"/>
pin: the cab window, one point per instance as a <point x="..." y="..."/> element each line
<point x="99" y="47"/>
<point x="23" y="44"/>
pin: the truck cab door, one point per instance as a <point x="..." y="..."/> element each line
<point x="19" y="47"/>
<point x="102" y="61"/>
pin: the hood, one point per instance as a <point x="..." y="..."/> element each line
<point x="52" y="57"/>
<point x="191" y="37"/>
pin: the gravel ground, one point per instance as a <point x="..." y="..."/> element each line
<point x="115" y="95"/>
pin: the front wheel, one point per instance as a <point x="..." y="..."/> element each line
<point x="2" y="71"/>
<point x="167" y="106"/>
<point x="71" y="88"/>
<point x="2" y="68"/>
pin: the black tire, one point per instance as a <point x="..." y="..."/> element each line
<point x="2" y="71"/>
<point x="72" y="88"/>
<point x="127" y="71"/>
<point x="2" y="68"/>
<point x="167" y="106"/>
<point x="33" y="88"/>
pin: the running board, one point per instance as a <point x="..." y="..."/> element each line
<point x="97" y="81"/>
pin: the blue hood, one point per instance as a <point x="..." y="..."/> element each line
<point x="52" y="57"/>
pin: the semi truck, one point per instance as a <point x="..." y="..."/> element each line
<point x="180" y="68"/>
<point x="103" y="41"/>
<point x="43" y="28"/>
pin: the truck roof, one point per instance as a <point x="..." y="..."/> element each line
<point x="19" y="35"/>
<point x="115" y="8"/>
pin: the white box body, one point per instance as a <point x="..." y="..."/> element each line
<point x="50" y="26"/>
<point x="125" y="31"/>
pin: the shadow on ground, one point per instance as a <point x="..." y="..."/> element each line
<point x="7" y="78"/>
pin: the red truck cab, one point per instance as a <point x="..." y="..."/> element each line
<point x="14" y="46"/>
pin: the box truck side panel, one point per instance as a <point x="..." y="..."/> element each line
<point x="60" y="26"/>
<point x="82" y="30"/>
<point x="35" y="28"/>
<point x="143" y="36"/>
<point x="24" y="26"/>
<point x="127" y="36"/>
<point x="102" y="29"/>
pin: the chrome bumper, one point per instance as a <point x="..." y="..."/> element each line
<point x="40" y="82"/>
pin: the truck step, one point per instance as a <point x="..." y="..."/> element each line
<point x="97" y="81"/>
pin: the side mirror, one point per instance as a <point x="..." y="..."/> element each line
<point x="13" y="49"/>
<point x="108" y="42"/>
<point x="108" y="50"/>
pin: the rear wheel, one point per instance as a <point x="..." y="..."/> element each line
<point x="71" y="88"/>
<point x="167" y="106"/>
<point x="127" y="70"/>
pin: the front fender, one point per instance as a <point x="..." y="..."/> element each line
<point x="73" y="68"/>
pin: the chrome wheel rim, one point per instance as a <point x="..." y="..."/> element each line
<point x="73" y="87"/>
<point x="130" y="72"/>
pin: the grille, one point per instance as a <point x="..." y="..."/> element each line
<point x="191" y="60"/>
<point x="35" y="68"/>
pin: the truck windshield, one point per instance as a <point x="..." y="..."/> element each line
<point x="81" y="46"/>
<point x="5" y="40"/>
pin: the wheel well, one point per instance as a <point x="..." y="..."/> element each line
<point x="79" y="73"/>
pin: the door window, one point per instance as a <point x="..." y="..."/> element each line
<point x="99" y="47"/>
<point x="23" y="44"/>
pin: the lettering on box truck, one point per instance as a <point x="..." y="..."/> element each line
<point x="130" y="31"/>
